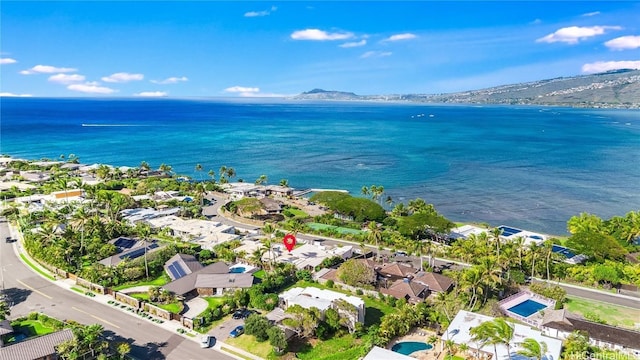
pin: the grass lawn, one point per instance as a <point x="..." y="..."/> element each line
<point x="343" y="347"/>
<point x="260" y="274"/>
<point x="249" y="343"/>
<point x="297" y="213"/>
<point x="342" y="230"/>
<point x="36" y="268"/>
<point x="226" y="349"/>
<point x="78" y="290"/>
<point x="30" y="328"/>
<point x="214" y="301"/>
<point x="140" y="296"/>
<point x="159" y="281"/>
<point x="174" y="307"/>
<point x="376" y="308"/>
<point x="612" y="314"/>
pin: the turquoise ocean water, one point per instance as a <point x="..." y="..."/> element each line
<point x="529" y="167"/>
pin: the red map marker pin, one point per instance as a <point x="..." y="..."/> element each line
<point x="289" y="241"/>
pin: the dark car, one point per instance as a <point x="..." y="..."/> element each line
<point x="239" y="314"/>
<point x="239" y="330"/>
<point x="9" y="239"/>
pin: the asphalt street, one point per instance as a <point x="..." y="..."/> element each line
<point x="28" y="292"/>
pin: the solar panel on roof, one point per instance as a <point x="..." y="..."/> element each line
<point x="153" y="246"/>
<point x="134" y="254"/>
<point x="124" y="243"/>
<point x="176" y="270"/>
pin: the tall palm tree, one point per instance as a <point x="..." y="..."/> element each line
<point x="548" y="251"/>
<point x="531" y="348"/>
<point x="503" y="333"/>
<point x="199" y="170"/>
<point x="496" y="233"/>
<point x="375" y="236"/>
<point x="269" y="230"/>
<point x="284" y="182"/>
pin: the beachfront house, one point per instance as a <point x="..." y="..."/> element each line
<point x="561" y="323"/>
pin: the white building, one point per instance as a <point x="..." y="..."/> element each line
<point x="205" y="232"/>
<point x="308" y="256"/>
<point x="459" y="332"/>
<point x="321" y="299"/>
<point x="464" y="231"/>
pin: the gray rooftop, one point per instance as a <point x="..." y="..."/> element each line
<point x="35" y="348"/>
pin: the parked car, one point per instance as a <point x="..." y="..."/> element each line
<point x="239" y="330"/>
<point x="205" y="341"/>
<point x="238" y="314"/>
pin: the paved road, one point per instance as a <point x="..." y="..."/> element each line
<point x="30" y="292"/>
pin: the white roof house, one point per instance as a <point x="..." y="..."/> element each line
<point x="321" y="299"/>
<point x="238" y="190"/>
<point x="460" y="327"/>
<point x="205" y="232"/>
<point x="145" y="214"/>
<point x="308" y="256"/>
<point x="378" y="353"/>
<point x="463" y="232"/>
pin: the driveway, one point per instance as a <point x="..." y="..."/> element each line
<point x="222" y="331"/>
<point x="195" y="306"/>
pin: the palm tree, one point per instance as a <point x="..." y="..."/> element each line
<point x="269" y="230"/>
<point x="5" y="310"/>
<point x="123" y="349"/>
<point x="531" y="348"/>
<point x="262" y="180"/>
<point x="503" y="333"/>
<point x="496" y="232"/>
<point x="534" y="251"/>
<point x="548" y="247"/>
<point x="375" y="235"/>
<point x="365" y="191"/>
<point x="199" y="170"/>
<point x="284" y="183"/>
<point x="212" y="175"/>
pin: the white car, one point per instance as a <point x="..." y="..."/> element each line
<point x="205" y="341"/>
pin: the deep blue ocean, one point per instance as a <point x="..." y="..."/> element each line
<point x="529" y="167"/>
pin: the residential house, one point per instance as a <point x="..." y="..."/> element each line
<point x="378" y="353"/>
<point x="211" y="280"/>
<point x="459" y="331"/>
<point x="308" y="256"/>
<point x="181" y="265"/>
<point x="239" y="190"/>
<point x="133" y="251"/>
<point x="412" y="291"/>
<point x="207" y="233"/>
<point x="322" y="300"/>
<point x="436" y="283"/>
<point x="279" y="191"/>
<point x="271" y="206"/>
<point x="37" y="348"/>
<point x="561" y="323"/>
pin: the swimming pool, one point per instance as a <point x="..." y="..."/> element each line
<point x="237" y="270"/>
<point x="508" y="231"/>
<point x="562" y="251"/>
<point x="527" y="308"/>
<point x="409" y="347"/>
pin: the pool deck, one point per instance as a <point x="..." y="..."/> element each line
<point x="422" y="335"/>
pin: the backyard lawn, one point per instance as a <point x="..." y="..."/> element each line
<point x="611" y="314"/>
<point x="344" y="347"/>
<point x="29" y="328"/>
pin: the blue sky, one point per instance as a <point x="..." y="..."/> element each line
<point x="240" y="48"/>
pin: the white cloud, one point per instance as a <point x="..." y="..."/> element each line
<point x="594" y="13"/>
<point x="122" y="77"/>
<point x="536" y="22"/>
<point x="574" y="34"/>
<point x="171" y="80"/>
<point x="398" y="37"/>
<point x="374" y="54"/>
<point x="66" y="79"/>
<point x="624" y="43"/>
<point x="91" y="88"/>
<point x="320" y="35"/>
<point x="5" y="61"/>
<point x="603" y="66"/>
<point x="260" y="13"/>
<point x="46" y="69"/>
<point x="152" y="94"/>
<point x="8" y="94"/>
<point x="243" y="91"/>
<point x="362" y="42"/>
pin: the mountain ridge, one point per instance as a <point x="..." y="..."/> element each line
<point x="613" y="89"/>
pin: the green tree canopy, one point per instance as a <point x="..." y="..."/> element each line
<point x="596" y="245"/>
<point x="356" y="273"/>
<point x="359" y="209"/>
